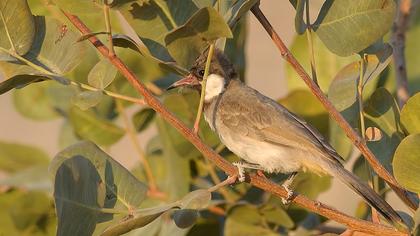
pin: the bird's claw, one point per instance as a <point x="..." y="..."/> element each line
<point x="289" y="195"/>
<point x="241" y="171"/>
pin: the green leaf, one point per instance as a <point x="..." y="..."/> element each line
<point x="16" y="21"/>
<point x="278" y="216"/>
<point x="246" y="220"/>
<point x="125" y="41"/>
<point x="349" y="26"/>
<point x="198" y="199"/>
<point x="323" y="56"/>
<point x="97" y="182"/>
<point x="54" y="49"/>
<point x="382" y="111"/>
<point x="29" y="209"/>
<point x="24" y="212"/>
<point x="185" y="218"/>
<point x="55" y="46"/>
<point x="361" y="169"/>
<point x="18" y="76"/>
<point x="406" y="163"/>
<point x="153" y="21"/>
<point x="235" y="10"/>
<point x="343" y="90"/>
<point x="87" y="99"/>
<point x="203" y="27"/>
<point x="33" y="102"/>
<point x="143" y="118"/>
<point x="300" y="24"/>
<point x="311" y="110"/>
<point x="410" y="114"/>
<point x="31" y="178"/>
<point x="102" y="74"/>
<point x="89" y="126"/>
<point x="15" y="157"/>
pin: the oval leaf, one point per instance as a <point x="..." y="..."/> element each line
<point x="203" y="27"/>
<point x="198" y="199"/>
<point x="102" y="74"/>
<point x="96" y="182"/>
<point x="410" y="114"/>
<point x="185" y="218"/>
<point x="87" y="99"/>
<point x="16" y="21"/>
<point x="349" y="26"/>
<point x="406" y="163"/>
<point x="14" y="157"/>
<point x="25" y="99"/>
<point x="89" y="126"/>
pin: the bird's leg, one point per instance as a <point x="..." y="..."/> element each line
<point x="244" y="165"/>
<point x="286" y="185"/>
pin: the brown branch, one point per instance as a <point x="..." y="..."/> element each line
<point x="351" y="134"/>
<point x="398" y="42"/>
<point x="228" y="168"/>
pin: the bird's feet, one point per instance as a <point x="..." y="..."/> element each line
<point x="244" y="165"/>
<point x="286" y="185"/>
<point x="286" y="200"/>
<point x="241" y="171"/>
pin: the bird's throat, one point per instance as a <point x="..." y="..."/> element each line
<point x="214" y="87"/>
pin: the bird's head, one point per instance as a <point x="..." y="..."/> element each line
<point x="220" y="73"/>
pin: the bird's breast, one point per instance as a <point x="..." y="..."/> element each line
<point x="271" y="158"/>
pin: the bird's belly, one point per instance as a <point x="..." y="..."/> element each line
<point x="271" y="158"/>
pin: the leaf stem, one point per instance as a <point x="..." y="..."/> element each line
<point x="108" y="28"/>
<point x="360" y="83"/>
<point x="7" y="32"/>
<point x="80" y="85"/>
<point x="310" y="44"/>
<point x="360" y="96"/>
<point x="133" y="137"/>
<point x="203" y="88"/>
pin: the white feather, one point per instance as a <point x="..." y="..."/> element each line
<point x="214" y="86"/>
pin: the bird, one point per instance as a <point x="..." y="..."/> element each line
<point x="267" y="136"/>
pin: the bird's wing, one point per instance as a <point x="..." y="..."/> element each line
<point x="252" y="114"/>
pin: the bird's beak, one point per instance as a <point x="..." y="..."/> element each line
<point x="189" y="80"/>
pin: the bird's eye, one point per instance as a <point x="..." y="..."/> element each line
<point x="201" y="73"/>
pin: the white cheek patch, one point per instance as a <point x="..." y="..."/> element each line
<point x="214" y="86"/>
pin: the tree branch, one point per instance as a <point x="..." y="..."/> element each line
<point x="351" y="134"/>
<point x="398" y="42"/>
<point x="228" y="168"/>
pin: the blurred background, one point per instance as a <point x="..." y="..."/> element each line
<point x="265" y="71"/>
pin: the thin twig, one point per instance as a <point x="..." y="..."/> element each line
<point x="257" y="181"/>
<point x="132" y="134"/>
<point x="359" y="95"/>
<point x="350" y="132"/>
<point x="75" y="83"/>
<point x="398" y="42"/>
<point x="310" y="44"/>
<point x="108" y="28"/>
<point x="203" y="89"/>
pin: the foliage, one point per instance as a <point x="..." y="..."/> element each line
<point x="55" y="74"/>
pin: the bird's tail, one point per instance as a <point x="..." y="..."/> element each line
<point x="368" y="194"/>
